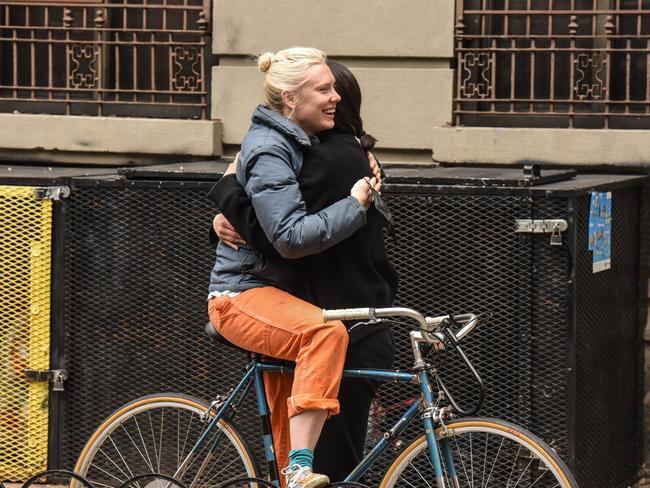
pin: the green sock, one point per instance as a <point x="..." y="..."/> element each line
<point x="301" y="457"/>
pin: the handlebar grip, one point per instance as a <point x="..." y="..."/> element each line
<point x="347" y="314"/>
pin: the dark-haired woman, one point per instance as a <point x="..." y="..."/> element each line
<point x="353" y="273"/>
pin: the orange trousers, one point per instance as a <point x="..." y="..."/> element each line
<point x="274" y="323"/>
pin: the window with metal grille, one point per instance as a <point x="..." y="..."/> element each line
<point x="553" y="63"/>
<point x="134" y="57"/>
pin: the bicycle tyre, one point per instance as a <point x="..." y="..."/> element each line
<point x="516" y="456"/>
<point x="152" y="434"/>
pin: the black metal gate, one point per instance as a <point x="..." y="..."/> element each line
<point x="561" y="354"/>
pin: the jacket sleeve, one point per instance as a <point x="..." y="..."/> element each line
<point x="274" y="191"/>
<point x="234" y="204"/>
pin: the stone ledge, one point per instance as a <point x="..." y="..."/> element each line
<point x="110" y="135"/>
<point x="499" y="145"/>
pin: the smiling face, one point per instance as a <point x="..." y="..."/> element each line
<point x="314" y="105"/>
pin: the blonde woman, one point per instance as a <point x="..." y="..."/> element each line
<point x="243" y="305"/>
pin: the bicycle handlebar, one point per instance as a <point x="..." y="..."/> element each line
<point x="436" y="330"/>
<point x="428" y="324"/>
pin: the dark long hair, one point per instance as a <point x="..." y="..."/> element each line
<point x="348" y="110"/>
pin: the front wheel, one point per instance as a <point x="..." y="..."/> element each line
<point x="485" y="453"/>
<point x="154" y="435"/>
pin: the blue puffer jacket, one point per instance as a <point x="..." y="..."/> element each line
<point x="270" y="160"/>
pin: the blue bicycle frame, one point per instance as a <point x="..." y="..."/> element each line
<point x="253" y="376"/>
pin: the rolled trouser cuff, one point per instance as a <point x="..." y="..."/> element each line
<point x="301" y="403"/>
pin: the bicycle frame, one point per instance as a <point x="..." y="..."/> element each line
<point x="254" y="376"/>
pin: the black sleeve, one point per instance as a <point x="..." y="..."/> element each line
<point x="234" y="204"/>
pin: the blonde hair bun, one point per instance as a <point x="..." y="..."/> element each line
<point x="286" y="70"/>
<point x="264" y="61"/>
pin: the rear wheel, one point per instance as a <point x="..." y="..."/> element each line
<point x="486" y="453"/>
<point x="154" y="435"/>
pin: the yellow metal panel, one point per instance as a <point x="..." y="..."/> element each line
<point x="25" y="260"/>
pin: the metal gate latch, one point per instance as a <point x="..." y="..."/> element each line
<point x="51" y="193"/>
<point x="56" y="376"/>
<point x="555" y="227"/>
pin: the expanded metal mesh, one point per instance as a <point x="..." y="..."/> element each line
<point x="137" y="265"/>
<point x="25" y="233"/>
<point x="455" y="254"/>
<point x="609" y="381"/>
<point x="136" y="272"/>
<point x="549" y="338"/>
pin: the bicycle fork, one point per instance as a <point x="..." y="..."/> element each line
<point x="435" y="447"/>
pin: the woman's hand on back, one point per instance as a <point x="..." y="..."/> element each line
<point x="226" y="232"/>
<point x="224" y="229"/>
<point x="361" y="190"/>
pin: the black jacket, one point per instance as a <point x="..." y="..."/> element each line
<point x="353" y="273"/>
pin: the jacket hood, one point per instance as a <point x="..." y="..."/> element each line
<point x="278" y="122"/>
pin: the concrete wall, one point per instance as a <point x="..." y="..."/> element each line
<point x="399" y="51"/>
<point x="573" y="147"/>
<point x="105" y="140"/>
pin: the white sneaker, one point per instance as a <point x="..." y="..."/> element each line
<point x="304" y="477"/>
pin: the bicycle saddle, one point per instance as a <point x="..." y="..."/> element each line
<point x="210" y="331"/>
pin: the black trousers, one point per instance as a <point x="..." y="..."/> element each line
<point x="340" y="446"/>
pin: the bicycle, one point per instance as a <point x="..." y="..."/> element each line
<point x="197" y="444"/>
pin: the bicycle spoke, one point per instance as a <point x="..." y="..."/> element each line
<point x="206" y="445"/>
<point x="97" y="483"/>
<point x="153" y="440"/>
<point x="200" y="472"/>
<point x="108" y="474"/>
<point x="471" y="457"/>
<point x="496" y="458"/>
<point x="162" y="425"/>
<point x="214" y="465"/>
<point x="420" y="475"/>
<point x="135" y="445"/>
<point x="514" y="465"/>
<point x="522" y="474"/>
<point x="462" y="460"/>
<point x="485" y="455"/>
<point x="144" y="444"/>
<point x="114" y="463"/>
<point x="408" y="482"/>
<point x="181" y="451"/>
<point x="121" y="457"/>
<point x="539" y="478"/>
<point x="184" y="465"/>
<point x="220" y="472"/>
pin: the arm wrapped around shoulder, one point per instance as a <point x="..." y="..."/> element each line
<point x="274" y="191"/>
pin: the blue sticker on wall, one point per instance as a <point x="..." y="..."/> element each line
<point x="600" y="230"/>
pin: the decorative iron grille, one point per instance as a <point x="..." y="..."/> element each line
<point x="135" y="57"/>
<point x="553" y="63"/>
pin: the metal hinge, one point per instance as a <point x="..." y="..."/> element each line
<point x="55" y="376"/>
<point x="555" y="227"/>
<point x="51" y="193"/>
